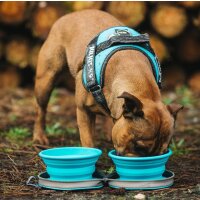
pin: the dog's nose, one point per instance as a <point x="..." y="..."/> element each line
<point x="120" y="151"/>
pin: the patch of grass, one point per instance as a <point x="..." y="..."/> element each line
<point x="178" y="148"/>
<point x="12" y="117"/>
<point x="185" y="96"/>
<point x="110" y="170"/>
<point x="7" y="150"/>
<point x="55" y="129"/>
<point x="17" y="134"/>
<point x="54" y="97"/>
<point x="167" y="101"/>
<point x="71" y="130"/>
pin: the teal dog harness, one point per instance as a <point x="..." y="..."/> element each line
<point x="100" y="50"/>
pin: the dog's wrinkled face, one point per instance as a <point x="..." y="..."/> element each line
<point x="143" y="130"/>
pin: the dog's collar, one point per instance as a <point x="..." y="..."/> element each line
<point x="100" y="50"/>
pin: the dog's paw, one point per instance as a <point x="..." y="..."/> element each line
<point x="41" y="139"/>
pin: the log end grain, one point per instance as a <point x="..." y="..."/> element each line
<point x="194" y="82"/>
<point x="81" y="5"/>
<point x="159" y="47"/>
<point x="169" y="20"/>
<point x="17" y="52"/>
<point x="9" y="78"/>
<point x="130" y="13"/>
<point x="12" y="12"/>
<point x="43" y="19"/>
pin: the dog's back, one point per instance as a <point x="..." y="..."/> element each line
<point x="71" y="28"/>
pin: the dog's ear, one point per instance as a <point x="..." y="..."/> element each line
<point x="174" y="109"/>
<point x="132" y="106"/>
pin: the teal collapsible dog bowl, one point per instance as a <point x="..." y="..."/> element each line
<point x="140" y="168"/>
<point x="70" y="163"/>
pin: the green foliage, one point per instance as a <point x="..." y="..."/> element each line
<point x="13" y="117"/>
<point x="185" y="96"/>
<point x="54" y="97"/>
<point x="178" y="148"/>
<point x="54" y="129"/>
<point x="71" y="130"/>
<point x="110" y="170"/>
<point x="17" y="134"/>
<point x="167" y="101"/>
<point x="57" y="130"/>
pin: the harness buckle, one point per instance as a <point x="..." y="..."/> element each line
<point x="95" y="88"/>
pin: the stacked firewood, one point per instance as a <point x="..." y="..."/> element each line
<point x="174" y="30"/>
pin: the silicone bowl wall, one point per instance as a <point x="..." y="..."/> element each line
<point x="70" y="163"/>
<point x="140" y="168"/>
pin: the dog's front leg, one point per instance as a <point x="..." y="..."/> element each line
<point x="86" y="124"/>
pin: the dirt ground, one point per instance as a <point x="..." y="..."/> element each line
<point x="19" y="156"/>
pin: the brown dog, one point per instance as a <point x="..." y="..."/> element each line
<point x="143" y="124"/>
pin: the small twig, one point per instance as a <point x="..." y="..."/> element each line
<point x="25" y="152"/>
<point x="193" y="149"/>
<point x="15" y="164"/>
<point x="12" y="160"/>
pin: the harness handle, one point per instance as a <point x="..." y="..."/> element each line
<point x="122" y="39"/>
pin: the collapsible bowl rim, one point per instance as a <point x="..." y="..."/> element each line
<point x="112" y="155"/>
<point x="95" y="153"/>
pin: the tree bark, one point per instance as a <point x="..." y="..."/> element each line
<point x="173" y="76"/>
<point x="189" y="47"/>
<point x="1" y="49"/>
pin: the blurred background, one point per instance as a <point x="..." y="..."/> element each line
<point x="174" y="28"/>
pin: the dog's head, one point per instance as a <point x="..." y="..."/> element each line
<point x="143" y="130"/>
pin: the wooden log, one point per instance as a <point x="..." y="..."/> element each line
<point x="196" y="21"/>
<point x="159" y="47"/>
<point x="17" y="52"/>
<point x="15" y="12"/>
<point x="194" y="82"/>
<point x="9" y="78"/>
<point x="81" y="5"/>
<point x="130" y="13"/>
<point x="44" y="17"/>
<point x="1" y="49"/>
<point x="190" y="4"/>
<point x="172" y="77"/>
<point x="189" y="47"/>
<point x="34" y="55"/>
<point x="169" y="20"/>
